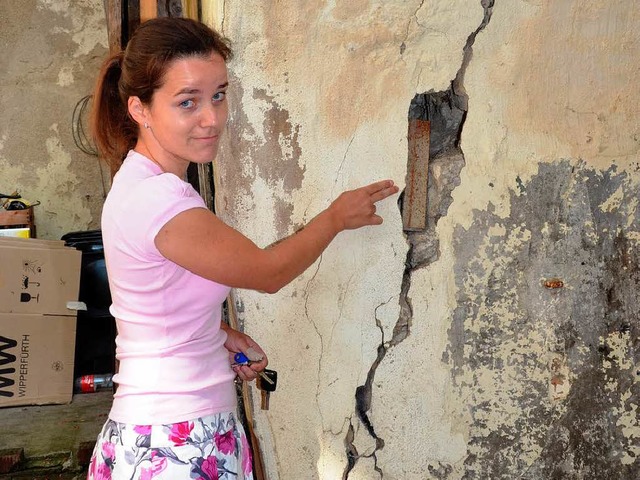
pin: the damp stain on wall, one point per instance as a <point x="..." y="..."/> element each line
<point x="277" y="140"/>
<point x="588" y="109"/>
<point x="54" y="48"/>
<point x="348" y="37"/>
<point x="281" y="145"/>
<point x="545" y="341"/>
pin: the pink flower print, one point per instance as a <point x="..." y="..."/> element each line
<point x="209" y="468"/>
<point x="103" y="472"/>
<point x="142" y="429"/>
<point x="180" y="433"/>
<point x="247" y="465"/>
<point x="226" y="442"/>
<point x="158" y="464"/>
<point x="146" y="474"/>
<point x="93" y="467"/>
<point x="108" y="450"/>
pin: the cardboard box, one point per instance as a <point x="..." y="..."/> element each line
<point x="36" y="359"/>
<point x="38" y="278"/>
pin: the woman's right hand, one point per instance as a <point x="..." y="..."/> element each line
<point x="356" y="208"/>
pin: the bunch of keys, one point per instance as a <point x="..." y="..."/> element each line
<point x="267" y="380"/>
<point x="266" y="384"/>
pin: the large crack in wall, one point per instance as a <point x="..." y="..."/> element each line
<point x="446" y="111"/>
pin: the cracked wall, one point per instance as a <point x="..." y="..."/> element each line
<point x="52" y="50"/>
<point x="501" y="342"/>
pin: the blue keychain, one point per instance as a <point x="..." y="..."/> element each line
<point x="242" y="360"/>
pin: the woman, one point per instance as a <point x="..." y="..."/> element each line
<point x="161" y="105"/>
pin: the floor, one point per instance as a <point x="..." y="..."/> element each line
<point x="51" y="442"/>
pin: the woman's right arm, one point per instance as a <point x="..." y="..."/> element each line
<point x="200" y="242"/>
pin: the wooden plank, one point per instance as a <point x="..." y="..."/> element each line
<point x="212" y="13"/>
<point x="19" y="218"/>
<point x="113" y="12"/>
<point x="16" y="217"/>
<point x="414" y="207"/>
<point x="148" y="10"/>
<point x="205" y="180"/>
<point x="258" y="472"/>
<point x="190" y="9"/>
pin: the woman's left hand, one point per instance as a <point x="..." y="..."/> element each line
<point x="241" y="342"/>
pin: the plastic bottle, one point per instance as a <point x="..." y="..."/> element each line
<point x="93" y="383"/>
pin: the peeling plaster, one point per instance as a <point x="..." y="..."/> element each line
<point x="277" y="141"/>
<point x="286" y="153"/>
<point x="54" y="50"/>
<point x="87" y="23"/>
<point x="56" y="180"/>
<point x="65" y="76"/>
<point x="506" y="318"/>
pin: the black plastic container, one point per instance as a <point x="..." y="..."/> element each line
<point x="96" y="330"/>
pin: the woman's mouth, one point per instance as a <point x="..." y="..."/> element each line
<point x="209" y="139"/>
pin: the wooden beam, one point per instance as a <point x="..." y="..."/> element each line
<point x="113" y="12"/>
<point x="170" y="8"/>
<point x="258" y="472"/>
<point x="190" y="9"/>
<point x="213" y="13"/>
<point x="414" y="205"/>
<point x="205" y="182"/>
<point x="148" y="10"/>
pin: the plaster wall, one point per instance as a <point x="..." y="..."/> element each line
<point x="51" y="52"/>
<point x="511" y="350"/>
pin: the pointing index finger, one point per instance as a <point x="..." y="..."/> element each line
<point x="377" y="186"/>
<point x="381" y="190"/>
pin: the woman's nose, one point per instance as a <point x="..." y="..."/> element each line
<point x="213" y="116"/>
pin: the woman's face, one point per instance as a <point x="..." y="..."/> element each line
<point x="188" y="112"/>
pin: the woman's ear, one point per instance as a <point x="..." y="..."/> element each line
<point x="137" y="110"/>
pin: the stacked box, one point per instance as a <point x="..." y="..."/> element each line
<point x="39" y="284"/>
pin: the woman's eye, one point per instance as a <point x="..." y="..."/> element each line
<point x="218" y="97"/>
<point x="187" y="104"/>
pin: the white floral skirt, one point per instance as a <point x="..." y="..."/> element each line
<point x="208" y="448"/>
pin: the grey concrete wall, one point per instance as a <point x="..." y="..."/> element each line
<point x="51" y="51"/>
<point x="502" y="342"/>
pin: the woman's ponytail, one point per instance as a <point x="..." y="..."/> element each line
<point x="113" y="131"/>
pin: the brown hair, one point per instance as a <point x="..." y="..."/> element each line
<point x="139" y="71"/>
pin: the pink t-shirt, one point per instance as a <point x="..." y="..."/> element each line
<point x="173" y="363"/>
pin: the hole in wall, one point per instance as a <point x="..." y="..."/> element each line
<point x="445" y="113"/>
